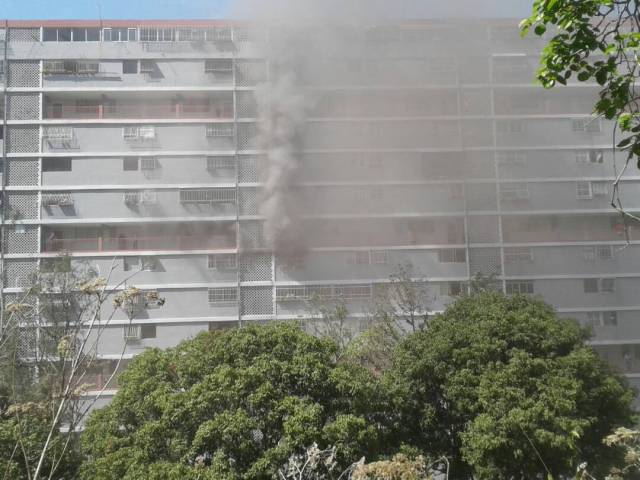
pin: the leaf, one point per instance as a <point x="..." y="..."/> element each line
<point x="540" y="30"/>
<point x="601" y="76"/>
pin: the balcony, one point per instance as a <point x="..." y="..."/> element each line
<point x="222" y="236"/>
<point x="209" y="108"/>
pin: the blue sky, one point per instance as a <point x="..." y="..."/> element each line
<point x="202" y="9"/>
<point x="112" y="9"/>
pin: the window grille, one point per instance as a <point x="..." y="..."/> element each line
<point x="589" y="157"/>
<point x="139" y="133"/>
<point x="88" y="67"/>
<point x="220" y="34"/>
<point x="518" y="254"/>
<point x="147" y="66"/>
<point x="218" y="65"/>
<point x="602" y="319"/>
<point x="221" y="163"/>
<point x="52" y="67"/>
<point x="605" y="252"/>
<point x="191" y="35"/>
<point x="520" y="287"/>
<point x="589" y="253"/>
<point x="61" y="199"/>
<point x="222" y="295"/>
<point x="291" y="294"/>
<point x="379" y="257"/>
<point x="361" y="258"/>
<point x="132" y="332"/>
<point x="452" y="255"/>
<point x="600" y="189"/>
<point x="451" y="289"/>
<point x="130" y="263"/>
<point x="583" y="191"/>
<point x="58" y="133"/>
<point x="510" y="126"/>
<point x="514" y="191"/>
<point x="352" y="292"/>
<point x="589" y="125"/>
<point x="148" y="163"/>
<point x="157" y="34"/>
<point x="224" y="130"/>
<point x="511" y="158"/>
<point x="214" y="195"/>
<point x="223" y="262"/>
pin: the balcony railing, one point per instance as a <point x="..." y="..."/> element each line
<point x="113" y="244"/>
<point x="160" y="111"/>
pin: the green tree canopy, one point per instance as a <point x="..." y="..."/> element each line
<point x="232" y="405"/>
<point x="594" y="40"/>
<point x="505" y="389"/>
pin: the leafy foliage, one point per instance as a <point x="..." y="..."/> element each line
<point x="505" y="389"/>
<point x="594" y="40"/>
<point x="235" y="404"/>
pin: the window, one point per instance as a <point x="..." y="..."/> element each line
<point x="57" y="164"/>
<point x="213" y="195"/>
<point x="605" y="252"/>
<point x="518" y="254"/>
<point x="147" y="66"/>
<point x="368" y="257"/>
<point x="49" y="265"/>
<point x="130" y="263"/>
<point x="88" y="68"/>
<point x="608" y="285"/>
<point x="218" y="65"/>
<point x="514" y="191"/>
<point x="600" y="189"/>
<point x="58" y="133"/>
<point x="284" y="294"/>
<point x="511" y="158"/>
<point x="589" y="253"/>
<point x="520" y="287"/>
<point x="589" y="125"/>
<point x="50" y="67"/>
<point x="50" y="35"/>
<point x="595" y="285"/>
<point x="590" y="285"/>
<point x="602" y="319"/>
<point x="222" y="130"/>
<point x="379" y="257"/>
<point x="147" y="331"/>
<point x="222" y="295"/>
<point x="149" y="264"/>
<point x="452" y="255"/>
<point x="131" y="332"/>
<point x="139" y="133"/>
<point x="130" y="164"/>
<point x="451" y="289"/>
<point x="64" y="34"/>
<point x="221" y="163"/>
<point x="589" y="157"/>
<point x="583" y="191"/>
<point x="225" y="261"/>
<point x="157" y="34"/>
<point x="129" y="66"/>
<point x="352" y="292"/>
<point x="119" y="34"/>
<point x="509" y="126"/>
<point x="456" y="191"/>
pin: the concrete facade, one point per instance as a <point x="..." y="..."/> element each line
<point x="145" y="150"/>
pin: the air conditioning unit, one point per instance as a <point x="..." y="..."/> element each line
<point x="148" y="197"/>
<point x="132" y="199"/>
<point x="148" y="163"/>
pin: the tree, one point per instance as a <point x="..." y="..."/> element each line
<point x="595" y="40"/>
<point x="506" y="390"/>
<point x="233" y="404"/>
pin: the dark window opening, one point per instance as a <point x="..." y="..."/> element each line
<point x="64" y="34"/>
<point x="79" y="35"/>
<point x="50" y="35"/>
<point x="147" y="331"/>
<point x="129" y="66"/>
<point x="62" y="164"/>
<point x="130" y="164"/>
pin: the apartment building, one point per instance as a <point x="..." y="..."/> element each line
<point x="134" y="147"/>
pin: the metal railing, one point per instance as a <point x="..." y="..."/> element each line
<point x="134" y="243"/>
